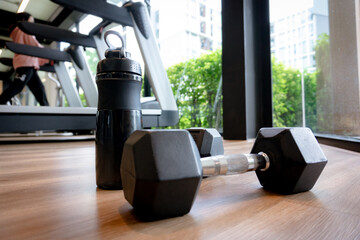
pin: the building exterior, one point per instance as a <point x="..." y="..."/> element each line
<point x="186" y="29"/>
<point x="294" y="35"/>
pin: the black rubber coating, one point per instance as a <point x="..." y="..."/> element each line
<point x="6" y="61"/>
<point x="138" y="11"/>
<point x="119" y="65"/>
<point x="47" y="53"/>
<point x="57" y="34"/>
<point x="102" y="9"/>
<point x="119" y="91"/>
<point x="75" y="56"/>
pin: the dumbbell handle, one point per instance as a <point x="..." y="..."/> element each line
<point x="234" y="164"/>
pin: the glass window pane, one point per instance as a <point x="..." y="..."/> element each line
<point x="317" y="83"/>
<point x="189" y="37"/>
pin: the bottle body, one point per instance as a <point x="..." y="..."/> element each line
<point x="113" y="128"/>
<point x="118" y="115"/>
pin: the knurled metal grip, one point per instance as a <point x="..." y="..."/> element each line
<point x="234" y="164"/>
<point x="215" y="165"/>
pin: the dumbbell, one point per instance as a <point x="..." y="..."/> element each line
<point x="162" y="170"/>
<point x="208" y="141"/>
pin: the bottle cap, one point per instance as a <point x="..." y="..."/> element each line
<point x="117" y="59"/>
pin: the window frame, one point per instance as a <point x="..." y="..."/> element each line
<point x="239" y="96"/>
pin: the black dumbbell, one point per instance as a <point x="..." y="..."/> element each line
<point x="161" y="169"/>
<point x="208" y="141"/>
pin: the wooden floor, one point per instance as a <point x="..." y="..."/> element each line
<point x="48" y="191"/>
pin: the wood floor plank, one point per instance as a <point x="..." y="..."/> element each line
<point x="48" y="191"/>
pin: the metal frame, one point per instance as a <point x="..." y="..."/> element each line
<point x="136" y="16"/>
<point x="69" y="89"/>
<point x="27" y="119"/>
<point x="60" y="68"/>
<point x="149" y="50"/>
<point x="348" y="143"/>
<point x="247" y="93"/>
<point x="86" y="80"/>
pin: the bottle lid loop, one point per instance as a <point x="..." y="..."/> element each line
<point x="112" y="32"/>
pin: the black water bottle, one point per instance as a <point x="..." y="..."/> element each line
<point x="119" y="111"/>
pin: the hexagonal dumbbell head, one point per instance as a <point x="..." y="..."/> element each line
<point x="208" y="141"/>
<point x="161" y="172"/>
<point x="296" y="159"/>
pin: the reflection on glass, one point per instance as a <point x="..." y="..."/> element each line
<point x="322" y="37"/>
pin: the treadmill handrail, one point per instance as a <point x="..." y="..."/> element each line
<point x="99" y="8"/>
<point x="57" y="34"/>
<point x="6" y="61"/>
<point x="47" y="53"/>
<point x="150" y="52"/>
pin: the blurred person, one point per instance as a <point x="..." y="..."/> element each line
<point x="25" y="66"/>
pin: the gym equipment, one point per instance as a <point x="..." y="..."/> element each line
<point x="78" y="42"/>
<point x="135" y="14"/>
<point x="156" y="112"/>
<point x="119" y="111"/>
<point x="70" y="55"/>
<point x="7" y="71"/>
<point x="26" y="119"/>
<point x="7" y="77"/>
<point x="208" y="141"/>
<point x="45" y="68"/>
<point x="159" y="112"/>
<point x="161" y="169"/>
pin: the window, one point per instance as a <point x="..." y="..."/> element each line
<point x="312" y="61"/>
<point x="303" y="17"/>
<point x="282" y="54"/>
<point x="202" y="10"/>
<point x="280" y="25"/>
<point x="205" y="43"/>
<point x="302" y="33"/>
<point x="281" y="39"/>
<point x="272" y="41"/>
<point x="312" y="45"/>
<point x="190" y="36"/>
<point x="156" y="17"/>
<point x="328" y="61"/>
<point x="311" y="30"/>
<point x="203" y="27"/>
<point x="311" y="16"/>
<point x="305" y="62"/>
<point x="303" y="47"/>
<point x="157" y="33"/>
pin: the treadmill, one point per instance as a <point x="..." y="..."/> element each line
<point x="158" y="112"/>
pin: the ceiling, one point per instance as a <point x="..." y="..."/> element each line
<point x="44" y="11"/>
<point x="40" y="9"/>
